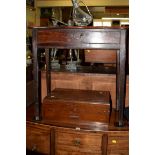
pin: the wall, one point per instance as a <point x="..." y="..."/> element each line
<point x="48" y="3"/>
<point x="30" y="18"/>
<point x="86" y="81"/>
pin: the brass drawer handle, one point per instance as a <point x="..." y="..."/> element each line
<point x="81" y="35"/>
<point x="77" y="142"/>
<point x="34" y="148"/>
<point x="74" y="117"/>
<point x="114" y="141"/>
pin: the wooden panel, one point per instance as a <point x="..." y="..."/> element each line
<point x="62" y="152"/>
<point x="71" y="106"/>
<point x="100" y="56"/>
<point x="29" y="75"/>
<point x="67" y="84"/>
<point x="30" y="98"/>
<point x="75" y="113"/>
<point x="38" y="138"/>
<point x="80" y="96"/>
<point x="82" y="36"/>
<point x="118" y="152"/>
<point x="78" y="141"/>
<point x="100" y="82"/>
<point x="118" y="143"/>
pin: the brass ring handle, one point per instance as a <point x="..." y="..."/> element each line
<point x="114" y="141"/>
<point x="81" y="35"/>
<point x="34" y="148"/>
<point x="74" y="116"/>
<point x="77" y="142"/>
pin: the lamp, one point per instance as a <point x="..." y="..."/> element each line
<point x="80" y="17"/>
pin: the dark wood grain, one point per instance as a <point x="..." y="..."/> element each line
<point x="38" y="138"/>
<point x="48" y="68"/>
<point x="100" y="56"/>
<point x="84" y="96"/>
<point x="70" y="140"/>
<point x="104" y="144"/>
<point x="79" y="38"/>
<point x="118" y="143"/>
<point x="52" y="142"/>
<point x="121" y="78"/>
<point x="111" y="141"/>
<point x="36" y="75"/>
<point x="76" y="140"/>
<point x="76" y="106"/>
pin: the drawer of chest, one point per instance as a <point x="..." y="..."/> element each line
<point x="118" y="152"/>
<point x="118" y="141"/>
<point x="38" y="139"/>
<point x="60" y="152"/>
<point x="70" y="140"/>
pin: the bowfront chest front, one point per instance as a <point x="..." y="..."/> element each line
<point x="72" y="121"/>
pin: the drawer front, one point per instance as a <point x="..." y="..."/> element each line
<point x="118" y="152"/>
<point x="72" y="112"/>
<point x="60" y="152"/>
<point x="38" y="139"/>
<point x="94" y="112"/>
<point x="78" y="38"/>
<point x="58" y="111"/>
<point x="118" y="142"/>
<point x="77" y="141"/>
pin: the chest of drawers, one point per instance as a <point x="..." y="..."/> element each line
<point x="52" y="140"/>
